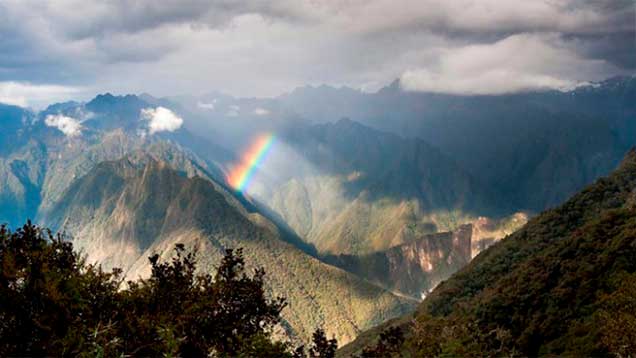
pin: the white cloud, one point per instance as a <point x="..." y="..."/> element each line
<point x="161" y="119"/>
<point x="71" y="127"/>
<point x="517" y="63"/>
<point x="261" y="112"/>
<point x="24" y="94"/>
<point x="209" y="106"/>
<point x="233" y="111"/>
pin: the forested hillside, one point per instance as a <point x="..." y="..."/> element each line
<point x="564" y="284"/>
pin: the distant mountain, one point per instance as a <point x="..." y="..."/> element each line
<point x="12" y="121"/>
<point x="38" y="160"/>
<point x="18" y="181"/>
<point x="350" y="189"/>
<point x="562" y="285"/>
<point x="65" y="177"/>
<point x="123" y="211"/>
<point x="59" y="176"/>
<point x="533" y="149"/>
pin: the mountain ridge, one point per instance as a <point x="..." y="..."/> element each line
<point x="511" y="143"/>
<point x="121" y="230"/>
<point x="545" y="288"/>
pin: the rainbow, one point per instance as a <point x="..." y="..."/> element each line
<point x="241" y="174"/>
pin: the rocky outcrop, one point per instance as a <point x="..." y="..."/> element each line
<point x="416" y="267"/>
<point x="487" y="231"/>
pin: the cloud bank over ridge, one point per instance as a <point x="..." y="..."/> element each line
<point x="263" y="48"/>
<point x="517" y="63"/>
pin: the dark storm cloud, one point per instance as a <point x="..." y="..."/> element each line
<point x="615" y="41"/>
<point x="94" y="19"/>
<point x="20" y="60"/>
<point x="617" y="48"/>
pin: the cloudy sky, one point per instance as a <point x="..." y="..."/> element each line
<point x="60" y="49"/>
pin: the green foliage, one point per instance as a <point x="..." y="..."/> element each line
<point x="561" y="301"/>
<point x="193" y="315"/>
<point x="321" y="346"/>
<point x="564" y="285"/>
<point x="53" y="303"/>
<point x="618" y="316"/>
<point x="389" y="345"/>
<point x="50" y="300"/>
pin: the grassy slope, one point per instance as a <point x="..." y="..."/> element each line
<point x="121" y="212"/>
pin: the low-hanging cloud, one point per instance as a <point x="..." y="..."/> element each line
<point x="70" y="126"/>
<point x="261" y="111"/>
<point x="161" y="119"/>
<point x="233" y="111"/>
<point x="208" y="106"/>
<point x="517" y="63"/>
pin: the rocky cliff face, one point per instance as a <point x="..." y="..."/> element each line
<point x="487" y="231"/>
<point x="413" y="268"/>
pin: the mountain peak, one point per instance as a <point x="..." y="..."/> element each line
<point x="116" y="111"/>
<point x="323" y="90"/>
<point x="346" y="121"/>
<point x="393" y="87"/>
<point x="109" y="99"/>
<point x="103" y="98"/>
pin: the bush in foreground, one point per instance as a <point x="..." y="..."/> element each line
<point x="53" y="303"/>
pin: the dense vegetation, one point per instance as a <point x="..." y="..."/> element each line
<point x="563" y="285"/>
<point x="52" y="303"/>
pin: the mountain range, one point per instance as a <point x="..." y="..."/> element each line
<point x="532" y="149"/>
<point x="364" y="204"/>
<point x="119" y="195"/>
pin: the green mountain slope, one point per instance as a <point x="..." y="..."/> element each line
<point x="561" y="285"/>
<point x="350" y="189"/>
<point x="124" y="211"/>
